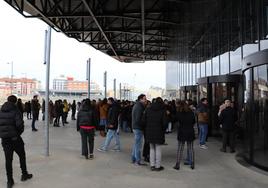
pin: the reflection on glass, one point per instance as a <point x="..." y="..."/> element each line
<point x="261" y="112"/>
<point x="215" y="62"/>
<point x="235" y="57"/>
<point x="264" y="44"/>
<point x="198" y="70"/>
<point x="194" y="75"/>
<point x="203" y="69"/>
<point x="249" y="49"/>
<point x="181" y="73"/>
<point x="208" y="67"/>
<point x="265" y="23"/>
<point x="225" y="63"/>
<point x="219" y="94"/>
<point x="256" y="130"/>
<point x="203" y="92"/>
<point x="190" y="73"/>
<point x="178" y="69"/>
<point x="171" y="73"/>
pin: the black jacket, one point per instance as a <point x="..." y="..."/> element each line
<point x="228" y="118"/>
<point x="112" y="119"/>
<point x="155" y="120"/>
<point x="11" y="122"/>
<point x="186" y="121"/>
<point x="86" y="117"/>
<point x="35" y="108"/>
<point x="137" y="113"/>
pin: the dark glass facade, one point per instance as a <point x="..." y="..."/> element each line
<point x="216" y="89"/>
<point x="251" y="93"/>
<point x="256" y="112"/>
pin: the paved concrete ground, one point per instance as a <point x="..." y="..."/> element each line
<point x="65" y="168"/>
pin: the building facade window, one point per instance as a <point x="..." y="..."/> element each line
<point x="215" y="62"/>
<point x="203" y="69"/>
<point x="198" y="70"/>
<point x="224" y="63"/>
<point x="249" y="49"/>
<point x="208" y="68"/>
<point x="235" y="59"/>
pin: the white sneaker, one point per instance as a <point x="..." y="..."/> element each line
<point x="203" y="146"/>
<point x="101" y="150"/>
<point x="116" y="150"/>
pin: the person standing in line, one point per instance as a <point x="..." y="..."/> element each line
<point x="20" y="106"/>
<point x="57" y="114"/>
<point x="146" y="144"/>
<point x="185" y="133"/>
<point x="86" y="124"/>
<point x="51" y="111"/>
<point x="228" y="119"/>
<point x="103" y="109"/>
<point x="73" y="107"/>
<point x="203" y="120"/>
<point x="43" y="109"/>
<point x="28" y="110"/>
<point x="112" y="126"/>
<point x="168" y="108"/>
<point x="61" y="112"/>
<point x="155" y="120"/>
<point x="11" y="128"/>
<point x="65" y="111"/>
<point x="137" y="113"/>
<point x="35" y="107"/>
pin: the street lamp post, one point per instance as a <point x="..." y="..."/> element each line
<point x="133" y="97"/>
<point x="105" y="84"/>
<point x="88" y="77"/>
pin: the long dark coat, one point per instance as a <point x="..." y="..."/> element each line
<point x="186" y="121"/>
<point x="155" y="121"/>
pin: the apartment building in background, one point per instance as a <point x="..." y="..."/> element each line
<point x="18" y="86"/>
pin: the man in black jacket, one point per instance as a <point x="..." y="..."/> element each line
<point x="112" y="126"/>
<point x="138" y="129"/>
<point x="11" y="127"/>
<point x="35" y="107"/>
<point x="228" y="118"/>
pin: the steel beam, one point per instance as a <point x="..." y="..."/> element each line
<point x="143" y="26"/>
<point x="118" y="31"/>
<point x="99" y="26"/>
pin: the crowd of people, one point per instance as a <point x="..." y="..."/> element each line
<point x="149" y="121"/>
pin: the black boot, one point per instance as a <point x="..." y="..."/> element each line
<point x="177" y="166"/>
<point x="10" y="184"/>
<point x="25" y="177"/>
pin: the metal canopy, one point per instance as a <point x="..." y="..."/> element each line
<point x="138" y="30"/>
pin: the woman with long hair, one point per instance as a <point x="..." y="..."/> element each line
<point x="186" y="121"/>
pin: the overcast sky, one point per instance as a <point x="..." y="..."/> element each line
<point x="22" y="42"/>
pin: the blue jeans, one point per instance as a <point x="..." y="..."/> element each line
<point x="33" y="122"/>
<point x="110" y="134"/>
<point x="125" y="126"/>
<point x="203" y="131"/>
<point x="190" y="153"/>
<point x="136" y="149"/>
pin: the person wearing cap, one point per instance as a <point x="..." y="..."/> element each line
<point x="11" y="128"/>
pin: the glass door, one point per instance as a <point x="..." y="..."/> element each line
<point x="260" y="88"/>
<point x="256" y="115"/>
